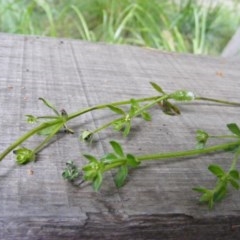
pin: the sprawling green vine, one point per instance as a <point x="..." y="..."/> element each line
<point x="94" y="170"/>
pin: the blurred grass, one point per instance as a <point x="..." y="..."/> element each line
<point x="162" y="24"/>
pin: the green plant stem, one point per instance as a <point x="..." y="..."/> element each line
<point x="134" y="115"/>
<point x="116" y="164"/>
<point x="224" y="136"/>
<point x="106" y="125"/>
<point x="235" y="159"/>
<point x="105" y="105"/>
<point x="150" y="104"/>
<point x="217" y="101"/>
<point x="42" y="126"/>
<point x="26" y="136"/>
<point x="188" y="153"/>
<point x="48" y="138"/>
<point x="178" y="154"/>
<point x="54" y="122"/>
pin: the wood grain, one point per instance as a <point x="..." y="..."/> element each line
<point x="232" y="49"/>
<point x="158" y="201"/>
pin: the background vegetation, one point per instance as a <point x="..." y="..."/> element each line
<point x="164" y="24"/>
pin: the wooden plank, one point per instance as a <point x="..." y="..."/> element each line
<point x="233" y="47"/>
<point x="158" y="201"/>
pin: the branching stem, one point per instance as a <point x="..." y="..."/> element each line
<point x="182" y="154"/>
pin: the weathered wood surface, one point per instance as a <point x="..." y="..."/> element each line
<point x="233" y="47"/>
<point x="157" y="202"/>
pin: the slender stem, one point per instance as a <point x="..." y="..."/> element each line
<point x="106" y="125"/>
<point x="48" y="138"/>
<point x="224" y="136"/>
<point x="71" y="116"/>
<point x="235" y="159"/>
<point x="124" y="102"/>
<point x="150" y="104"/>
<point x="26" y="136"/>
<point x="101" y="106"/>
<point x="116" y="164"/>
<point x="188" y="153"/>
<point x="217" y="101"/>
<point x="147" y="99"/>
<point x="135" y="114"/>
<point x="47" y="117"/>
<point x="179" y="154"/>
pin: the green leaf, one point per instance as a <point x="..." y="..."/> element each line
<point x="109" y="158"/>
<point x="220" y="193"/>
<point x="118" y="125"/>
<point x="117" y="148"/>
<point x="174" y="109"/>
<point x="212" y="196"/>
<point x="232" y="149"/>
<point x="132" y="160"/>
<point x="48" y="104"/>
<point x="182" y="95"/>
<point x="157" y="87"/>
<point x="234" y="174"/>
<point x="134" y="103"/>
<point x="97" y="182"/>
<point x="200" y="189"/>
<point x="48" y="130"/>
<point x="234" y="183"/>
<point x="134" y="107"/>
<point x="121" y="176"/>
<point x="211" y="203"/>
<point x="127" y="129"/>
<point x="216" y="170"/>
<point x="123" y="124"/>
<point x="90" y="158"/>
<point x="92" y="169"/>
<point x="206" y="197"/>
<point x="146" y="116"/>
<point x="89" y="173"/>
<point x="233" y="127"/>
<point x="168" y="108"/>
<point x="116" y="109"/>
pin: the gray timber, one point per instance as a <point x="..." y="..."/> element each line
<point x="233" y="47"/>
<point x="157" y="202"/>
